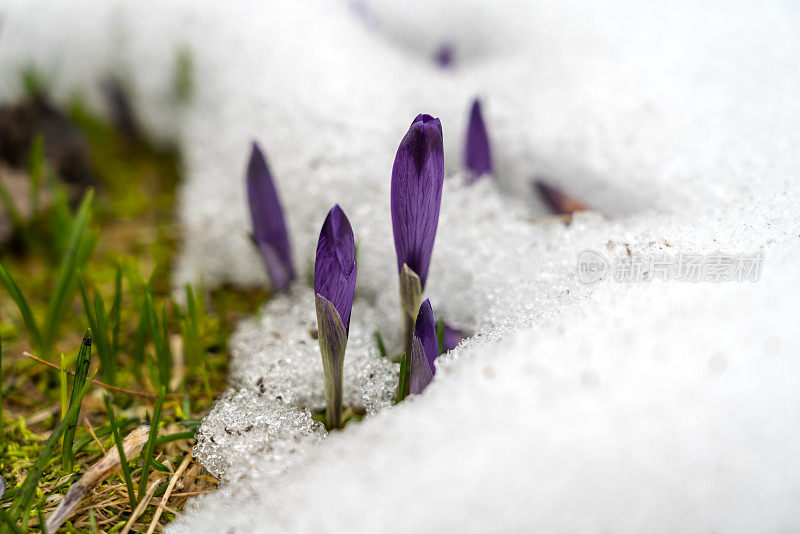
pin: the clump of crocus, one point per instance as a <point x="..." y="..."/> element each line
<point x="559" y="202"/>
<point x="477" y="153"/>
<point x="424" y="350"/>
<point x="334" y="285"/>
<point x="269" y="227"/>
<point x="416" y="197"/>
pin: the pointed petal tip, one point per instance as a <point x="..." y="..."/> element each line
<point x="268" y="223"/>
<point x="425" y="330"/>
<point x="335" y="264"/>
<point x="257" y="160"/>
<point x="477" y="150"/>
<point x="425" y="349"/>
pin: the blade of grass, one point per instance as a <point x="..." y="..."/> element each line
<point x="61" y="218"/>
<point x="62" y="375"/>
<point x="61" y="296"/>
<point x="116" y="313"/>
<point x="103" y="337"/>
<point x="140" y="340"/>
<point x="401" y="384"/>
<point x="190" y="329"/>
<point x="381" y="346"/>
<point x="177" y="436"/>
<point x="35" y="167"/>
<point x="165" y="358"/>
<point x="81" y="370"/>
<point x="158" y="466"/>
<point x="136" y="286"/>
<point x="158" y="333"/>
<point x="42" y="522"/>
<point x="126" y="469"/>
<point x="27" y="316"/>
<point x="151" y="442"/>
<point x="95" y="316"/>
<point x="23" y="501"/>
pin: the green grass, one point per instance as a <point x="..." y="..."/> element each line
<point x="22" y="503"/>
<point x="151" y="442"/>
<point x="73" y="266"/>
<point x="81" y="371"/>
<point x="126" y="469"/>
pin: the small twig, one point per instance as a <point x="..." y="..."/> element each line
<point x="88" y="426"/>
<point x="141" y="506"/>
<point x="131" y="392"/>
<point x="170" y="487"/>
<point x="191" y="493"/>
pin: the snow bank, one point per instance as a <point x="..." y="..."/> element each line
<point x="657" y="406"/>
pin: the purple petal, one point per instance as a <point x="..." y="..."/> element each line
<point x="269" y="226"/>
<point x="335" y="266"/>
<point x="425" y="349"/>
<point x="452" y="337"/>
<point x="416" y="194"/>
<point x="477" y="154"/>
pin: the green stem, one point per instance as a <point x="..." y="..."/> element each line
<point x="410" y="300"/>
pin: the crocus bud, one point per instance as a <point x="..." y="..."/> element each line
<point x="477" y="154"/>
<point x="559" y="202"/>
<point x="424" y="351"/>
<point x="416" y="194"/>
<point x="269" y="227"/>
<point x="334" y="285"/>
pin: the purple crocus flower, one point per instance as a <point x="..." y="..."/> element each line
<point x="416" y="194"/>
<point x="477" y="154"/>
<point x="269" y="227"/>
<point x="334" y="285"/>
<point x="425" y="349"/>
<point x="335" y="266"/>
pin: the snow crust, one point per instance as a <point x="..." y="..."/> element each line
<point x="653" y="406"/>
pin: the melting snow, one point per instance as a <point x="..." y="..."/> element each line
<point x="626" y="407"/>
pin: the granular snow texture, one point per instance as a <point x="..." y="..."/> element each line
<point x="657" y="406"/>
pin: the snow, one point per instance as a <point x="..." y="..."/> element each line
<point x="626" y="407"/>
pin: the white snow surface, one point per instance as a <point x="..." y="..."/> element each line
<point x="609" y="407"/>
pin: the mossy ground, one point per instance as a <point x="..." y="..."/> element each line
<point x="134" y="212"/>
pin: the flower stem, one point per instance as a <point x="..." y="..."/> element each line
<point x="410" y="300"/>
